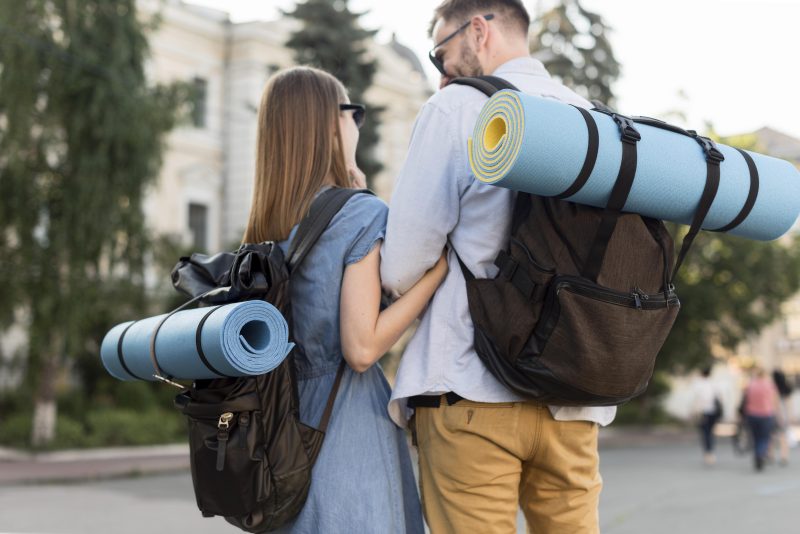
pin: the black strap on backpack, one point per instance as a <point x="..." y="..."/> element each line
<point x="629" y="137"/>
<point x="323" y="210"/>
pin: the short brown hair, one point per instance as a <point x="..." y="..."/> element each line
<point x="511" y="12"/>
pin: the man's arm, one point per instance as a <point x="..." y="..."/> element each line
<point x="425" y="204"/>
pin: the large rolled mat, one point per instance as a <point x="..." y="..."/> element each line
<point x="241" y="339"/>
<point x="538" y="145"/>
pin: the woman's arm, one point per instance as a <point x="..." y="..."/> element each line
<point x="366" y="332"/>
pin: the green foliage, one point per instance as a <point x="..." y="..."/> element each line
<point x="101" y="428"/>
<point x="573" y="44"/>
<point x="332" y="39"/>
<point x="81" y="136"/>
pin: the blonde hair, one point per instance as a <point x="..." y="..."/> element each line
<point x="299" y="145"/>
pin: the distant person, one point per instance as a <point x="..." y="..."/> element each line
<point x="760" y="408"/>
<point x="707" y="410"/>
<point x="782" y="428"/>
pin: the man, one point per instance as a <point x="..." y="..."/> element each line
<point x="482" y="450"/>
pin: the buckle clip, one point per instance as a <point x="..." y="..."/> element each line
<point x="627" y="130"/>
<point x="713" y="155"/>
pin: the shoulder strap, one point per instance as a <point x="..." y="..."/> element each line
<point x="326" y="415"/>
<point x="488" y="85"/>
<point x="322" y="211"/>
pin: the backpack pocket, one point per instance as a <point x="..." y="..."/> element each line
<point x="230" y="472"/>
<point x="507" y="308"/>
<point x="600" y="341"/>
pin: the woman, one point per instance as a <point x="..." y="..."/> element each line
<point x="307" y="136"/>
<point x="761" y="403"/>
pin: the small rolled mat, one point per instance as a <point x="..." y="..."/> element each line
<point x="240" y="339"/>
<point x="537" y="145"/>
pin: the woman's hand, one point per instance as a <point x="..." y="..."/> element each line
<point x="357" y="178"/>
<point x="440" y="270"/>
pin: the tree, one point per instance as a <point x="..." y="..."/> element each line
<point x="573" y="45"/>
<point x="80" y="139"/>
<point x="331" y="38"/>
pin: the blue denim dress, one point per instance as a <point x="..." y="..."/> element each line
<point x="363" y="479"/>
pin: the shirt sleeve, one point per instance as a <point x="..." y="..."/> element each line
<point x="364" y="216"/>
<point x="425" y="204"/>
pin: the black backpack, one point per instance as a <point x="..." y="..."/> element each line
<point x="251" y="457"/>
<point x="584" y="298"/>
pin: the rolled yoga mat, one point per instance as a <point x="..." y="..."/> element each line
<point x="240" y="339"/>
<point x="537" y="145"/>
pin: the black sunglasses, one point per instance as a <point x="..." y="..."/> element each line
<point x="432" y="56"/>
<point x="359" y="112"/>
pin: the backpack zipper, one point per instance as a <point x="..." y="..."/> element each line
<point x="635" y="299"/>
<point x="223" y="428"/>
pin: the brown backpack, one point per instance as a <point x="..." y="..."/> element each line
<point x="584" y="299"/>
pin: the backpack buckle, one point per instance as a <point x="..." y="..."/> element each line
<point x="713" y="155"/>
<point x="627" y="130"/>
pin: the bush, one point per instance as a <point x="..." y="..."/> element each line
<point x="100" y="428"/>
<point x="113" y="427"/>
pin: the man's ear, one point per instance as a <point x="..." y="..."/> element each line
<point x="480" y="30"/>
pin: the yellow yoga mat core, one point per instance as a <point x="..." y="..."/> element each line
<point x="494" y="133"/>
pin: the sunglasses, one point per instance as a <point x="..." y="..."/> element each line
<point x="437" y="62"/>
<point x="359" y="112"/>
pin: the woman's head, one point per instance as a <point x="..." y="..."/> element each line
<point x="304" y="141"/>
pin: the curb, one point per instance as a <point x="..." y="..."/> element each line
<point x="20" y="467"/>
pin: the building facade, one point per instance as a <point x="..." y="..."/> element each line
<point x="203" y="193"/>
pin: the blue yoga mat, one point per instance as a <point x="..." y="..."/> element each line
<point x="241" y="339"/>
<point x="537" y="145"/>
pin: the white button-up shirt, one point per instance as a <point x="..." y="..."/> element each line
<point x="436" y="199"/>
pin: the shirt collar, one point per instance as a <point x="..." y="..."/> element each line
<point x="522" y="65"/>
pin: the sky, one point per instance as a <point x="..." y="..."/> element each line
<point x="731" y="63"/>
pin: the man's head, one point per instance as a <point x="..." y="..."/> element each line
<point x="474" y="37"/>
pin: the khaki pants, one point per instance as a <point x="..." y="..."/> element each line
<point x="478" y="462"/>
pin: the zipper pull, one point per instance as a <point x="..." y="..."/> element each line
<point x="223" y="426"/>
<point x="639" y="296"/>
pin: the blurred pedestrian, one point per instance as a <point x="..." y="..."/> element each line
<point x="707" y="411"/>
<point x="760" y="408"/>
<point x="782" y="428"/>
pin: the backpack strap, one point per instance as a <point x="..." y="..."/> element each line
<point x="488" y="85"/>
<point x="629" y="137"/>
<point x="326" y="415"/>
<point x="322" y="211"/>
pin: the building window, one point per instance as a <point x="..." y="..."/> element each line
<point x="199" y="97"/>
<point x="198" y="226"/>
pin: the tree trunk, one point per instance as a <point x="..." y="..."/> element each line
<point x="44" y="412"/>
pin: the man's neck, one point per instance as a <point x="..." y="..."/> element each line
<point x="503" y="58"/>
